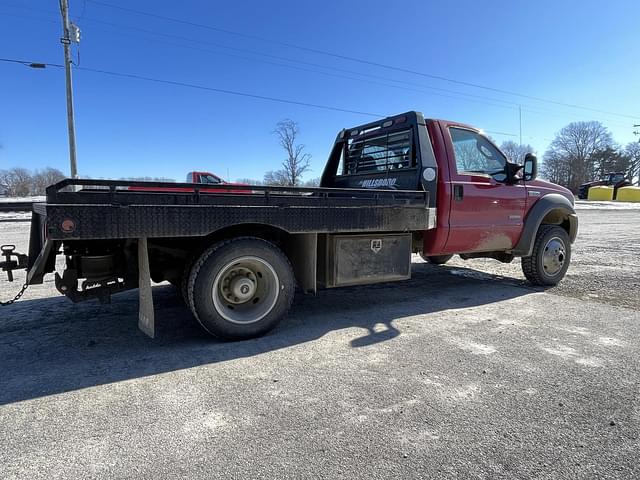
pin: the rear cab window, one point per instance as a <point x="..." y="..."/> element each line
<point x="392" y="151"/>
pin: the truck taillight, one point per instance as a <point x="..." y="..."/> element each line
<point x="68" y="225"/>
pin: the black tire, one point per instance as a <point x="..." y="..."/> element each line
<point x="436" y="259"/>
<point x="223" y="271"/>
<point x="186" y="273"/>
<point x="550" y="257"/>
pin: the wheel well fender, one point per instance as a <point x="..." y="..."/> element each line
<point x="264" y="231"/>
<point x="552" y="209"/>
<point x="168" y="256"/>
<point x="300" y="248"/>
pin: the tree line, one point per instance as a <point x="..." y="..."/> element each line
<point x="583" y="151"/>
<point x="20" y="182"/>
<point x="580" y="152"/>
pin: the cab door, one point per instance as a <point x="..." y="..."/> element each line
<point x="486" y="213"/>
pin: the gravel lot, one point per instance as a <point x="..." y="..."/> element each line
<point x="462" y="372"/>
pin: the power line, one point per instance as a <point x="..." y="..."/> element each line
<point x="358" y="60"/>
<point x="424" y="88"/>
<point x="228" y="92"/>
<point x="199" y="87"/>
<point x="31" y="64"/>
<point x="568" y="115"/>
<point x="221" y="90"/>
<point x="287" y="59"/>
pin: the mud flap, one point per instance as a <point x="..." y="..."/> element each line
<point x="146" y="321"/>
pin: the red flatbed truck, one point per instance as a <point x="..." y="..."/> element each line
<point x="208" y="183"/>
<point x="391" y="187"/>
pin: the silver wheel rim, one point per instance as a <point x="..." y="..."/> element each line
<point x="554" y="256"/>
<point x="245" y="290"/>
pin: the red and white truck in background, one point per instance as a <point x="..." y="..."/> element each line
<point x="207" y="183"/>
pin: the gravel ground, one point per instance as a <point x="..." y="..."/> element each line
<point x="462" y="372"/>
<point x="606" y="257"/>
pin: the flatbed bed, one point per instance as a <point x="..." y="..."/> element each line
<point x="108" y="210"/>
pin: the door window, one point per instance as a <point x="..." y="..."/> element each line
<point x="617" y="177"/>
<point x="210" y="179"/>
<point x="475" y="154"/>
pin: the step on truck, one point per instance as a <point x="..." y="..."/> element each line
<point x="390" y="188"/>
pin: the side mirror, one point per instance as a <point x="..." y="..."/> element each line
<point x="530" y="167"/>
<point x="511" y="172"/>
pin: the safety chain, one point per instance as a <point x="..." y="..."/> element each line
<point x="17" y="297"/>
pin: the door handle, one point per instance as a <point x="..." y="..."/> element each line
<point x="458" y="192"/>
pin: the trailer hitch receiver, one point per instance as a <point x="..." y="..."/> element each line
<point x="9" y="264"/>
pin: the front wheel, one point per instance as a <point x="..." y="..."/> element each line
<point x="550" y="257"/>
<point x="241" y="288"/>
<point x="436" y="259"/>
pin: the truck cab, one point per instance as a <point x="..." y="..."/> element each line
<point x="206" y="183"/>
<point x="483" y="204"/>
<point x="204" y="177"/>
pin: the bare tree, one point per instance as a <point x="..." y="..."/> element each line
<point x="43" y="178"/>
<point x="515" y="152"/>
<point x="277" y="178"/>
<point x="314" y="182"/>
<point x="569" y="160"/>
<point x="249" y="181"/>
<point x="555" y="168"/>
<point x="611" y="159"/>
<point x="297" y="162"/>
<point x="467" y="156"/>
<point x="632" y="150"/>
<point x="17" y="180"/>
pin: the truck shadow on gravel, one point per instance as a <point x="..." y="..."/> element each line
<point x="50" y="345"/>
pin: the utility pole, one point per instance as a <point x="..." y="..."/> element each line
<point x="520" y="120"/>
<point x="66" y="43"/>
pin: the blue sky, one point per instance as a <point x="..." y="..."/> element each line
<point x="576" y="52"/>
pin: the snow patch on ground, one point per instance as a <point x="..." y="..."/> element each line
<point x="592" y="205"/>
<point x="473" y="347"/>
<point x="22" y="199"/>
<point x="15" y="216"/>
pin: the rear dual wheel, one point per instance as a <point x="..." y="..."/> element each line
<point x="240" y="288"/>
